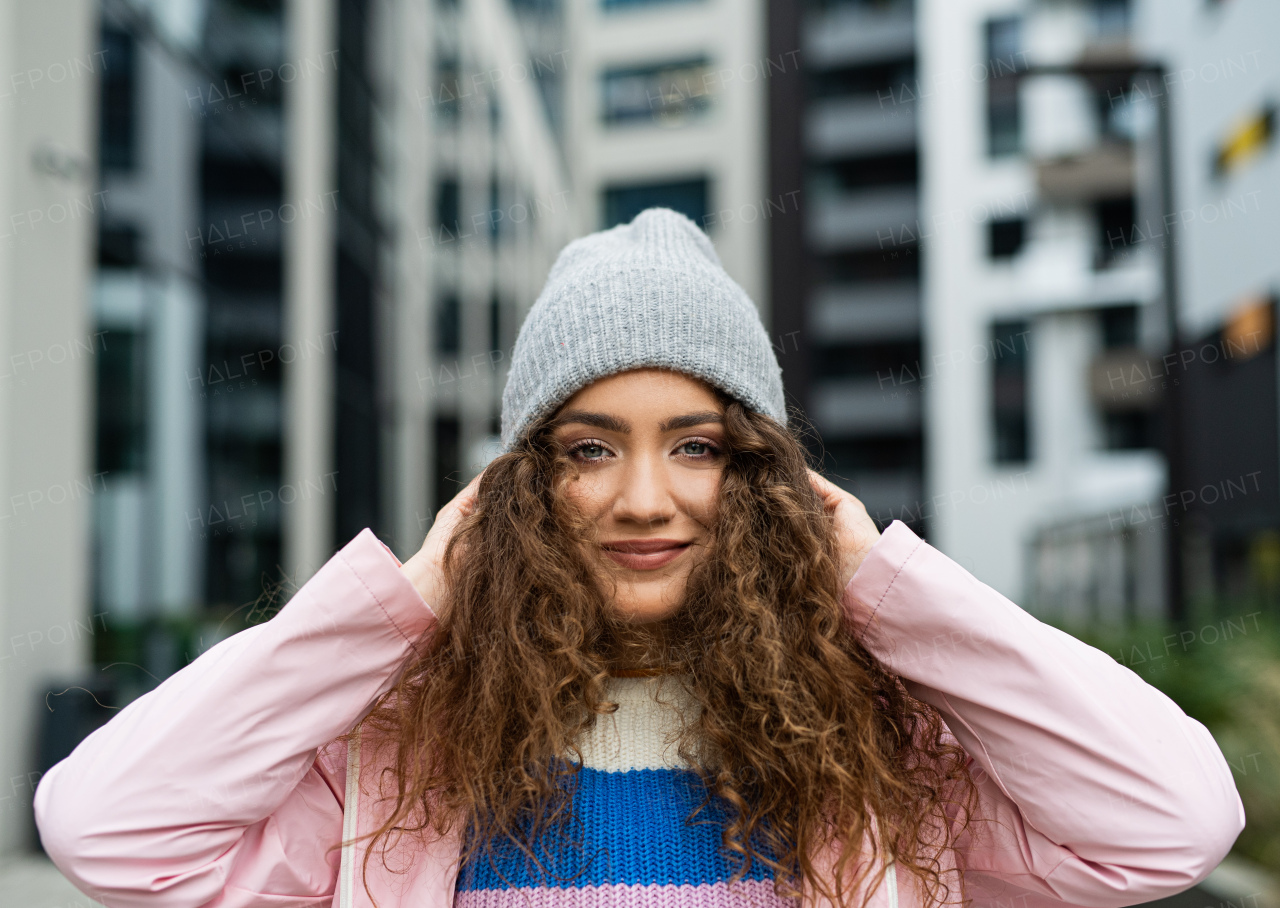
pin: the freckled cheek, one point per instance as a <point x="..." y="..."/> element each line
<point x="698" y="497"/>
<point x="589" y="495"/>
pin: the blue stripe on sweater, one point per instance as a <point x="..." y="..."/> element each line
<point x="632" y="828"/>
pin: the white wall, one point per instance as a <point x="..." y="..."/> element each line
<point x="979" y="512"/>
<point x="1222" y="67"/>
<point x="46" y="114"/>
<point x="728" y="143"/>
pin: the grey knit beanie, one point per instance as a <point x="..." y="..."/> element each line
<point x="648" y="293"/>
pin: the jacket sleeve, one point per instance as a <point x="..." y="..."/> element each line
<point x="1095" y="788"/>
<point x="223" y="786"/>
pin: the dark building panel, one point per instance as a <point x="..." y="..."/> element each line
<point x="241" y="383"/>
<point x="689" y="197"/>
<point x="836" y="130"/>
<point x="357" y="427"/>
<point x="788" y="259"/>
<point x="1232" y="444"/>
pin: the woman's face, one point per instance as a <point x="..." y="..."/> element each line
<point x="650" y="452"/>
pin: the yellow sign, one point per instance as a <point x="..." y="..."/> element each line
<point x="1245" y="141"/>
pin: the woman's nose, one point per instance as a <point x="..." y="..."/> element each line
<point x="645" y="496"/>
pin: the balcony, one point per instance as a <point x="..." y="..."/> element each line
<point x="1127" y="379"/>
<point x="887" y="495"/>
<point x="1102" y="172"/>
<point x="853" y="34"/>
<point x="1079" y="31"/>
<point x="870" y="217"/>
<point x="888" y="310"/>
<point x="865" y="406"/>
<point x="860" y="125"/>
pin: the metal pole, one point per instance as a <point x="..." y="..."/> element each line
<point x="1175" y="593"/>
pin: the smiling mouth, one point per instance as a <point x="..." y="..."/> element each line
<point x="645" y="554"/>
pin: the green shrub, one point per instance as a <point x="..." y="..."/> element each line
<point x="1226" y="674"/>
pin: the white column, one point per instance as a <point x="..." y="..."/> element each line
<point x="176" y="442"/>
<point x="310" y="116"/>
<point x="407" y="80"/>
<point x="47" y="146"/>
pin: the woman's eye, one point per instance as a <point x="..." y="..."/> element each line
<point x="698" y="449"/>
<point x="589" y="451"/>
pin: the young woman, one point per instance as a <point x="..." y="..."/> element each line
<point x="646" y="658"/>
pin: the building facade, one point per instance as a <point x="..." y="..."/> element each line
<point x="1219" y="84"/>
<point x="1041" y="297"/>
<point x="666" y="105"/>
<point x="501" y="208"/>
<point x="846" y="271"/>
<point x="49" y="350"/>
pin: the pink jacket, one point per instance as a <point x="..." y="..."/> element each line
<point x="223" y="786"/>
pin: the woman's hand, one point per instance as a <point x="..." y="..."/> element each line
<point x="426" y="568"/>
<point x="855" y="529"/>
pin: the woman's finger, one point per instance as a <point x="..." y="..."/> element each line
<point x="466" y="499"/>
<point x="827" y="491"/>
<point x="462" y="503"/>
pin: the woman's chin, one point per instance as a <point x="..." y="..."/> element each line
<point x="641" y="610"/>
<point x="642" y="616"/>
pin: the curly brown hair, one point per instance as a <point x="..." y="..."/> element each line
<point x="803" y="735"/>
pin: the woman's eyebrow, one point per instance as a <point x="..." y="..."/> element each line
<point x="690" y="420"/>
<point x="599" y="420"/>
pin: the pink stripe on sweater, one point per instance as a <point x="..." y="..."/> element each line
<point x="756" y="893"/>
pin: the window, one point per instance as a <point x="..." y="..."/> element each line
<point x="117" y="246"/>
<point x="122" y="403"/>
<point x="1111" y="18"/>
<point x="1116" y="220"/>
<point x="867" y="265"/>
<point x="872" y="6"/>
<point x="689" y="197"/>
<point x="447" y="205"/>
<point x="893" y="82"/>
<point x="876" y="453"/>
<point x="495" y="207"/>
<point x="1119" y="326"/>
<point x="850" y="175"/>
<point x="1127" y="430"/>
<point x="449" y="324"/>
<point x="117" y="117"/>
<point x="668" y="93"/>
<point x="882" y="361"/>
<point x="630" y="4"/>
<point x="448" y="89"/>
<point x="1004" y="62"/>
<point x="1009" y="349"/>
<point x="496" y="334"/>
<point x="1005" y="238"/>
<point x="448" y="460"/>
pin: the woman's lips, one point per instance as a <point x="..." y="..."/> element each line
<point x="645" y="554"/>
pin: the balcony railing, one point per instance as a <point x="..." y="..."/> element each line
<point x="867" y="218"/>
<point x="865" y="406"/>
<point x="859" y="125"/>
<point x="888" y="310"/>
<point x="1102" y="172"/>
<point x="842" y="34"/>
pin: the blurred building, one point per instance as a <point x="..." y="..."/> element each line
<point x="188" y="293"/>
<point x="667" y="106"/>
<point x="846" y="270"/>
<point x="317" y="227"/>
<point x="1220" y="85"/>
<point x="1040" y="300"/>
<point x="501" y="208"/>
<point x="49" y="348"/>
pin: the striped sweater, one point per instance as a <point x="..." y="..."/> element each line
<point x="633" y="791"/>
